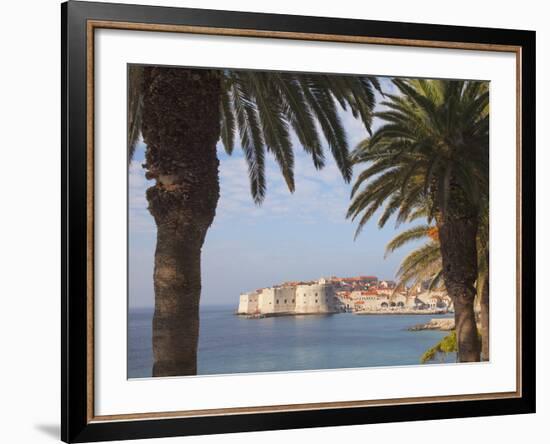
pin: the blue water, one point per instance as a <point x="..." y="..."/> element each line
<point x="233" y="344"/>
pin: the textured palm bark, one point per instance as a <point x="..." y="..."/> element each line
<point x="484" y="319"/>
<point x="457" y="237"/>
<point x="180" y="128"/>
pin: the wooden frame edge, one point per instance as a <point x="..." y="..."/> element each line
<point x="95" y="24"/>
<point x="337" y="38"/>
<point x="90" y="207"/>
<point x="303" y="407"/>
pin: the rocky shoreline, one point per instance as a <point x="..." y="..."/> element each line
<point x="445" y="324"/>
<point x="404" y="311"/>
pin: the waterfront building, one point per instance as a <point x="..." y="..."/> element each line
<point x="315" y="298"/>
<point x="277" y="300"/>
<point x="362" y="294"/>
<point x="290" y="298"/>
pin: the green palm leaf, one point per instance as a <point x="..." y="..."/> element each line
<point x="264" y="108"/>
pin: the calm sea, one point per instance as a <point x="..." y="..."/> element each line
<point x="233" y="344"/>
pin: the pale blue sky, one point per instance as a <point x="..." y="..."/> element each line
<point x="298" y="236"/>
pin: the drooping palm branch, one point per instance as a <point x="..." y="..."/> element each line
<point x="135" y="104"/>
<point x="262" y="109"/>
<point x="421" y="265"/>
<point x="434" y="141"/>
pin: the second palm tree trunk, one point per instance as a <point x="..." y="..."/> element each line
<point x="457" y="236"/>
<point x="181" y="125"/>
<point x="484" y="319"/>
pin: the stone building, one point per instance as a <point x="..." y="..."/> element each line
<point x="433" y="300"/>
<point x="315" y="298"/>
<point x="248" y="302"/>
<point x="364" y="294"/>
<point x="293" y="298"/>
<point x="277" y="300"/>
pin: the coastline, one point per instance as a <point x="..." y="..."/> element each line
<point x="358" y="313"/>
<point x="402" y="312"/>
<point x="281" y="314"/>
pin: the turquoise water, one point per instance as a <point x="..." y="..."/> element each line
<point x="233" y="344"/>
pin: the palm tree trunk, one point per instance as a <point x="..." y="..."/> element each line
<point x="180" y="127"/>
<point x="457" y="237"/>
<point x="484" y="319"/>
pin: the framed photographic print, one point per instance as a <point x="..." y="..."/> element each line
<point x="276" y="221"/>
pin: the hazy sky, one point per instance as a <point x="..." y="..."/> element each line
<point x="298" y="236"/>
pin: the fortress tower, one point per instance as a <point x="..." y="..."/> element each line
<point x="315" y="298"/>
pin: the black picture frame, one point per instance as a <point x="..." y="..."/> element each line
<point x="76" y="423"/>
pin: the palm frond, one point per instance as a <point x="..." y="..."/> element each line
<point x="434" y="139"/>
<point x="251" y="139"/>
<point x="267" y="106"/>
<point x="227" y="121"/>
<point x="135" y="104"/>
<point x="415" y="233"/>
